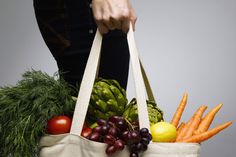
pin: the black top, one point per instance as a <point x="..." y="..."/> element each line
<point x="68" y="29"/>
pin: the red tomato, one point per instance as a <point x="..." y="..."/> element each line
<point x="59" y="125"/>
<point x="86" y="132"/>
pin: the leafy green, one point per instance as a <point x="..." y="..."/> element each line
<point x="25" y="109"/>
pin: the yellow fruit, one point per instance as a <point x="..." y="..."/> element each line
<point x="163" y="132"/>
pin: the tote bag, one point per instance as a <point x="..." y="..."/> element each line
<point x="74" y="145"/>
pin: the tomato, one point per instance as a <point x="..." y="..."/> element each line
<point x="86" y="132"/>
<point x="59" y="125"/>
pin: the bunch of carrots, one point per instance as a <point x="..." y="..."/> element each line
<point x="196" y="129"/>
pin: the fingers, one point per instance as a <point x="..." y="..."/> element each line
<point x="125" y="26"/>
<point x="117" y="23"/>
<point x="102" y="28"/>
<point x="106" y="20"/>
<point x="101" y="17"/>
<point x="104" y="25"/>
<point x="126" y="21"/>
<point x="110" y="15"/>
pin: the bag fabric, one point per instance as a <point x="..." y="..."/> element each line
<point x="73" y="145"/>
<point x="68" y="145"/>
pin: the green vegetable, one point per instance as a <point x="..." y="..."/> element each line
<point x="25" y="109"/>
<point x="154" y="113"/>
<point x="108" y="98"/>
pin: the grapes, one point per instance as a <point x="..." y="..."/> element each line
<point x="110" y="149"/>
<point x="133" y="154"/>
<point x="105" y="129"/>
<point x="134" y="137"/>
<point x="113" y="131"/>
<point x="145" y="141"/>
<point x="138" y="141"/>
<point x="144" y="132"/>
<point x="115" y="119"/>
<point x="95" y="136"/>
<point x="101" y="122"/>
<point x="139" y="147"/>
<point x="117" y="132"/>
<point x="119" y="144"/>
<point x="149" y="137"/>
<point x="121" y="124"/>
<point x="125" y="136"/>
<point x="109" y="139"/>
<point x="97" y="129"/>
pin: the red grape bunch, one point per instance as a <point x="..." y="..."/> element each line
<point x="117" y="132"/>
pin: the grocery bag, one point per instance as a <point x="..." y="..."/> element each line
<point x="74" y="145"/>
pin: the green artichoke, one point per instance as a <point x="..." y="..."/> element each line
<point x="155" y="114"/>
<point x="108" y="98"/>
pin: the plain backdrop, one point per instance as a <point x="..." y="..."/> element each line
<point x="185" y="45"/>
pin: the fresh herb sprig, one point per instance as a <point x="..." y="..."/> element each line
<point x="25" y="109"/>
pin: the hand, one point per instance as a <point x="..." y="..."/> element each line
<point x="113" y="14"/>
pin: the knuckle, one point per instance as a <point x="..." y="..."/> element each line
<point x="125" y="14"/>
<point x="115" y="16"/>
<point x="105" y="18"/>
<point x="98" y="18"/>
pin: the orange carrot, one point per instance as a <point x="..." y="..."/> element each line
<point x="207" y="134"/>
<point x="207" y="120"/>
<point x="195" y="121"/>
<point x="180" y="127"/>
<point x="182" y="132"/>
<point x="191" y="125"/>
<point x="179" y="111"/>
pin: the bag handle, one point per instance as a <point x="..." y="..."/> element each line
<point x="89" y="78"/>
<point x="86" y="86"/>
<point x="138" y="81"/>
<point x="147" y="84"/>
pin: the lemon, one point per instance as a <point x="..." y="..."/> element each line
<point x="163" y="132"/>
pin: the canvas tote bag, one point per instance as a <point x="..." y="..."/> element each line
<point x="74" y="145"/>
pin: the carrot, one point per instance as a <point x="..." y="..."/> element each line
<point x="207" y="134"/>
<point x="192" y="124"/>
<point x="179" y="111"/>
<point x="180" y="127"/>
<point x="195" y="121"/>
<point x="207" y="120"/>
<point x="182" y="132"/>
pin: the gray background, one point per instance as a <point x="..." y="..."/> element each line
<point x="185" y="46"/>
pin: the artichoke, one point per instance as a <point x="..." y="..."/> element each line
<point x="154" y="113"/>
<point x="108" y="98"/>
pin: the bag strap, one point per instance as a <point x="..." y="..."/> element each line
<point x="147" y="84"/>
<point x="86" y="86"/>
<point x="138" y="81"/>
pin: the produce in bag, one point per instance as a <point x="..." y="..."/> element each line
<point x="117" y="132"/>
<point x="108" y="98"/>
<point x="25" y="109"/>
<point x="33" y="106"/>
<point x="155" y="114"/>
<point x="197" y="128"/>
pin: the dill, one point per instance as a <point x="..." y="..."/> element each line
<point x="25" y="109"/>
